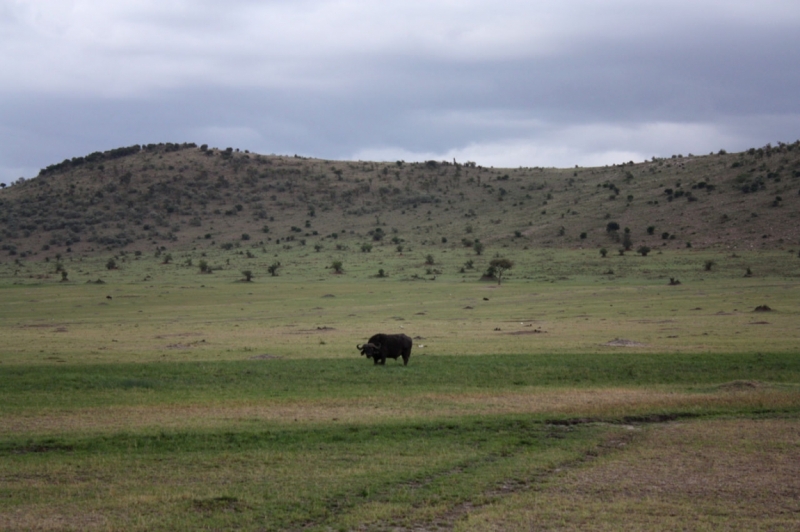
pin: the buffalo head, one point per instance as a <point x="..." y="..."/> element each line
<point x="369" y="350"/>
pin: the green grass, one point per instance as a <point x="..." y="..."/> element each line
<point x="198" y="402"/>
<point x="76" y="386"/>
<point x="278" y="479"/>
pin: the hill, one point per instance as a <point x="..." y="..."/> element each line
<point x="181" y="196"/>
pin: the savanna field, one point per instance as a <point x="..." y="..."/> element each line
<point x="147" y="384"/>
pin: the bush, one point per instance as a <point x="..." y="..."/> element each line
<point x="651" y="229"/>
<point x="204" y="267"/>
<point x="337" y="266"/>
<point x="377" y="234"/>
<point x="603" y="252"/>
<point x="429" y="260"/>
<point x="643" y="250"/>
<point x="612" y="227"/>
<point x="273" y="268"/>
<point x="248" y="275"/>
<point x="111" y="264"/>
<point x="627" y="241"/>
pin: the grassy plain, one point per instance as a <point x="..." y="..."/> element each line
<point x="570" y="397"/>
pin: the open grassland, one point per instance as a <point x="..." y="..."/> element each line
<point x="715" y="475"/>
<point x="552" y="302"/>
<point x="565" y="398"/>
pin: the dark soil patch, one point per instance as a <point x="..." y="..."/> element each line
<point x="622" y="342"/>
<point x="735" y="386"/>
<point x="218" y="504"/>
<point x="265" y="356"/>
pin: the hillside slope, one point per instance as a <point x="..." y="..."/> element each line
<point x="180" y="196"/>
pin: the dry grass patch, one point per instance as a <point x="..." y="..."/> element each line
<point x="711" y="475"/>
<point x="596" y="403"/>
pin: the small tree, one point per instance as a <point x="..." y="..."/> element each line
<point x="478" y="247"/>
<point x="111" y="264"/>
<point x="366" y="248"/>
<point x="627" y="241"/>
<point x="248" y="275"/>
<point x="500" y="266"/>
<point x="167" y="258"/>
<point x="708" y="265"/>
<point x="429" y="260"/>
<point x="204" y="266"/>
<point x="273" y="268"/>
<point x="603" y="252"/>
<point x="337" y="266"/>
<point x="64" y="276"/>
<point x="643" y="250"/>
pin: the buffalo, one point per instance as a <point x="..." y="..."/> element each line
<point x="382" y="346"/>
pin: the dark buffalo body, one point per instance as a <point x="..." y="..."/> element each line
<point x="382" y="346"/>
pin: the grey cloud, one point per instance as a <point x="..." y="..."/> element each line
<point x="574" y="81"/>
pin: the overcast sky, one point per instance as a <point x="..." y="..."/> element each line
<point x="502" y="83"/>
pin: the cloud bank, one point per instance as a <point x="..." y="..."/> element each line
<point x="510" y="84"/>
